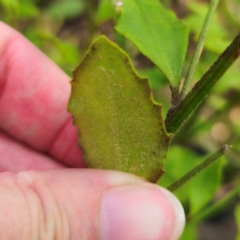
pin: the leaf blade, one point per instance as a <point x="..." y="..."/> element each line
<point x="156" y="32"/>
<point x="119" y="125"/>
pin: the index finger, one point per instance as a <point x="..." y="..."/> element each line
<point x="34" y="94"/>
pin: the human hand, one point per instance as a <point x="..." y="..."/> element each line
<point x="45" y="192"/>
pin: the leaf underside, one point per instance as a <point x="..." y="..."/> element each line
<point x="119" y="126"/>
<point x="157" y="33"/>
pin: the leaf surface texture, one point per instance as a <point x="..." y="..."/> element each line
<point x="119" y="125"/>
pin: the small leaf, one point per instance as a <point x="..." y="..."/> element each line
<point x="157" y="33"/>
<point x="119" y="125"/>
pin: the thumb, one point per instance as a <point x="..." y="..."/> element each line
<point x="86" y="204"/>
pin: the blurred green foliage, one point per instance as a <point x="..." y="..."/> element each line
<point x="41" y="22"/>
<point x="237" y="216"/>
<point x="64" y="29"/>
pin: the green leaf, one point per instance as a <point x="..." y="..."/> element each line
<point x="156" y="78"/>
<point x="28" y="9"/>
<point x="61" y="9"/>
<point x="119" y="125"/>
<point x="157" y="33"/>
<point x="176" y="167"/>
<point x="105" y="11"/>
<point x="159" y="85"/>
<point x="204" y="186"/>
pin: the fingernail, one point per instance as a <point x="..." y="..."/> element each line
<point x="179" y="222"/>
<point x="140" y="212"/>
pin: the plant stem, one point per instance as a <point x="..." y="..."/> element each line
<point x="200" y="167"/>
<point x="191" y="70"/>
<point x="91" y="13"/>
<point x="191" y="128"/>
<point x="178" y="114"/>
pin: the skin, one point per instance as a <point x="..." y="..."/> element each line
<point x="46" y="191"/>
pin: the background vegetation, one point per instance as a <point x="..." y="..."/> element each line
<point x="64" y="29"/>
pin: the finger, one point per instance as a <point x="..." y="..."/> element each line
<point x="16" y="157"/>
<point x="34" y="94"/>
<point x="86" y="204"/>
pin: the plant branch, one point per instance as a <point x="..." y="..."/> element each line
<point x="191" y="70"/>
<point x="200" y="167"/>
<point x="177" y="115"/>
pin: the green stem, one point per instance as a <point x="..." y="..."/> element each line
<point x="177" y="115"/>
<point x="200" y="167"/>
<point x="191" y="128"/>
<point x="191" y="70"/>
<point x="91" y="12"/>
